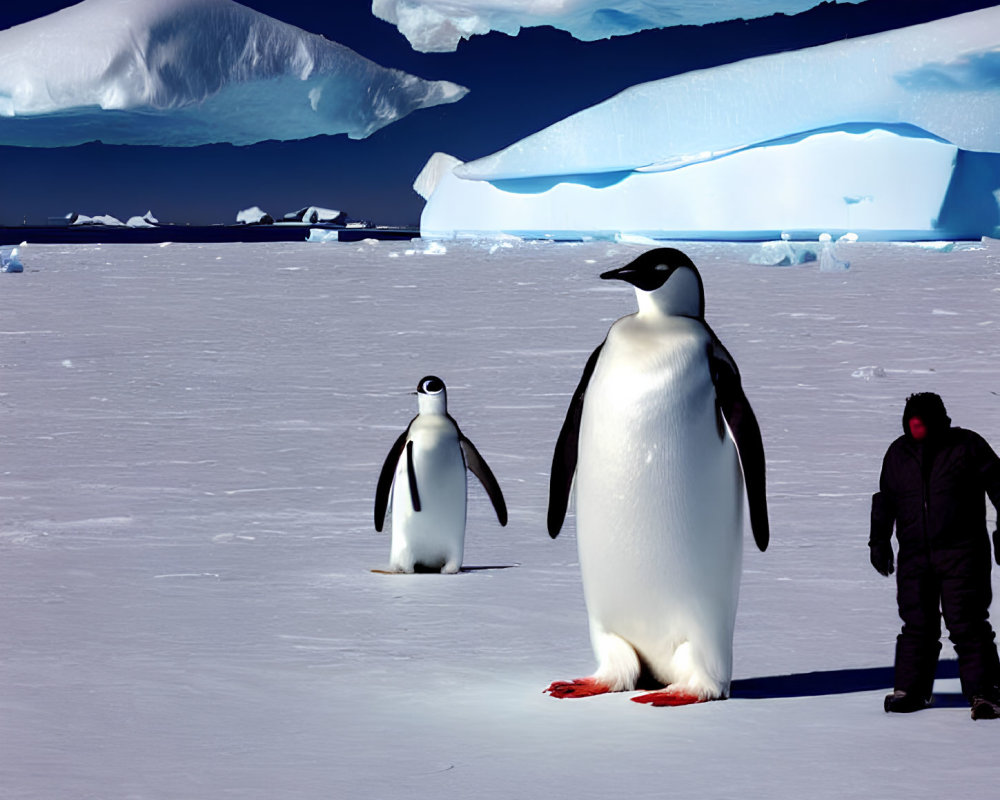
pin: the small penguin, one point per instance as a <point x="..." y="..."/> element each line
<point x="425" y="473"/>
<point x="661" y="440"/>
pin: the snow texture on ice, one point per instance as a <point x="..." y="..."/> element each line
<point x="191" y="438"/>
<point x="254" y="215"/>
<point x="893" y="136"/>
<point x="191" y="72"/>
<point x="940" y="77"/>
<point x="439" y="25"/>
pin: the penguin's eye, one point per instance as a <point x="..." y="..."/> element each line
<point x="662" y="267"/>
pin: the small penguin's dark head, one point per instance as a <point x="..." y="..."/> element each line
<point x="431" y="395"/>
<point x="430" y="385"/>
<point x="651" y="271"/>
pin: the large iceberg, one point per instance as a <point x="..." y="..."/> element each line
<point x="191" y="72"/>
<point x="439" y="25"/>
<point x="893" y="135"/>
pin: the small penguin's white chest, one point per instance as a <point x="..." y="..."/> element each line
<point x="434" y="535"/>
<point x="658" y="491"/>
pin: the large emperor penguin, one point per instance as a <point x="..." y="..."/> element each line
<point x="661" y="440"/>
<point x="425" y="474"/>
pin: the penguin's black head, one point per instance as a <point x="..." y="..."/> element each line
<point x="430" y="385"/>
<point x="651" y="271"/>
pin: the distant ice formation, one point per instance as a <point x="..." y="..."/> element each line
<point x="145" y="221"/>
<point x="322" y="235"/>
<point x="254" y="215"/>
<point x="439" y="25"/>
<point x="100" y="219"/>
<point x="314" y="215"/>
<point x="891" y="136"/>
<point x="191" y="72"/>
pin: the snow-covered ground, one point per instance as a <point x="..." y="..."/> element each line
<point x="190" y="439"/>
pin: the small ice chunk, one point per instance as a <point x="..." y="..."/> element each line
<point x="782" y="253"/>
<point x="867" y="373"/>
<point x="828" y="261"/>
<point x="633" y="238"/>
<point x="10" y="260"/>
<point x="322" y="235"/>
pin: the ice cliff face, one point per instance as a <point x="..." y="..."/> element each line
<point x="191" y="72"/>
<point x="895" y="134"/>
<point x="439" y="25"/>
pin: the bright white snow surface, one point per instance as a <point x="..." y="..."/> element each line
<point x="191" y="439"/>
<point x="439" y="25"/>
<point x="894" y="135"/>
<point x="191" y="72"/>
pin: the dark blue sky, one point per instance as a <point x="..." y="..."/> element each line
<point x="518" y="85"/>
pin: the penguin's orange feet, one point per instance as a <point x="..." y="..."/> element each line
<point x="668" y="697"/>
<point x="581" y="687"/>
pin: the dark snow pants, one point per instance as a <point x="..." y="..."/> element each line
<point x="962" y="592"/>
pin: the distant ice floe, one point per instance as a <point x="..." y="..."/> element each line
<point x="785" y="253"/>
<point x="782" y="253"/>
<point x="147" y="220"/>
<point x="100" y="219"/>
<point x="191" y="72"/>
<point x="314" y="215"/>
<point x="321" y="235"/>
<point x="254" y="215"/>
<point x="894" y="136"/>
<point x="867" y="373"/>
<point x="439" y="25"/>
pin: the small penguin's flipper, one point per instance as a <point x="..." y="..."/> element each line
<point x="742" y="422"/>
<point x="478" y="466"/>
<point x="385" y="479"/>
<point x="566" y="452"/>
<point x="411" y="474"/>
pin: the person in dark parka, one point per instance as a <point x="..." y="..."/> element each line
<point x="932" y="488"/>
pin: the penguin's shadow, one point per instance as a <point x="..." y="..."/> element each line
<point x="489" y="567"/>
<point x="838" y="681"/>
<point x="419" y="570"/>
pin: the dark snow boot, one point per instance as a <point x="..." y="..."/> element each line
<point x="900" y="702"/>
<point x="985" y="708"/>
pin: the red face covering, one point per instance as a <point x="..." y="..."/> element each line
<point x="917" y="429"/>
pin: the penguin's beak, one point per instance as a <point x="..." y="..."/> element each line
<point x="626" y="273"/>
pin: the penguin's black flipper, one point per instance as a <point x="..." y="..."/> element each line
<point x="567" y="449"/>
<point x="477" y="466"/>
<point x="385" y="479"/>
<point x="742" y="422"/>
<point x="411" y="475"/>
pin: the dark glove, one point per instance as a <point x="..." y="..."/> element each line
<point x="881" y="555"/>
<point x="996" y="545"/>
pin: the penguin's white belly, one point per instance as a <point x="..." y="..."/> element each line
<point x="659" y="500"/>
<point x="433" y="537"/>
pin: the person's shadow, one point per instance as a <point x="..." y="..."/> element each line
<point x="838" y="681"/>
